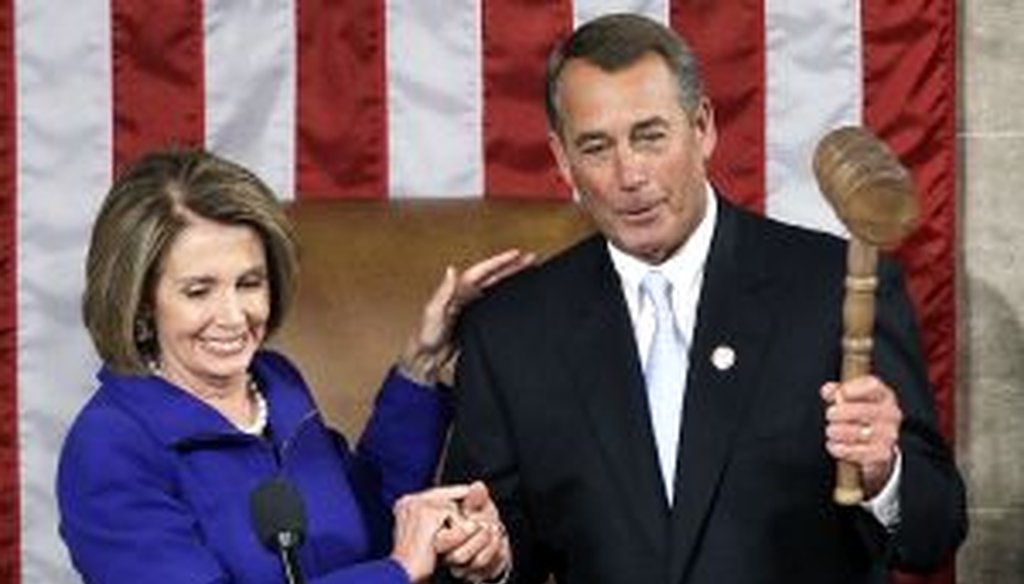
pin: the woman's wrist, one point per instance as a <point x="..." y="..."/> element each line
<point x="421" y="370"/>
<point x="423" y="366"/>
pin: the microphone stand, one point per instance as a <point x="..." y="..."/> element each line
<point x="287" y="542"/>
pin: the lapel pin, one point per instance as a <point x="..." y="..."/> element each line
<point x="723" y="357"/>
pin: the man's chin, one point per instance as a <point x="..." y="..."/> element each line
<point x="644" y="250"/>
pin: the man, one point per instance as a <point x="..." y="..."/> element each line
<point x="721" y="471"/>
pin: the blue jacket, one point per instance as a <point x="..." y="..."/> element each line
<point x="154" y="484"/>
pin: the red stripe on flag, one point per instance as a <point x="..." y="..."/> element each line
<point x="728" y="38"/>
<point x="910" y="97"/>
<point x="10" y="500"/>
<point x="158" y="68"/>
<point x="517" y="39"/>
<point x="910" y="102"/>
<point x="341" y="117"/>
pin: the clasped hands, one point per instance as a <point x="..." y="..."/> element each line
<point x="455" y="526"/>
<point x="863" y="419"/>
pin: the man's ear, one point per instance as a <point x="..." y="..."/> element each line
<point x="704" y="125"/>
<point x="561" y="157"/>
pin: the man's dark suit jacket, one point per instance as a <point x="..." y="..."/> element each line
<point x="551" y="412"/>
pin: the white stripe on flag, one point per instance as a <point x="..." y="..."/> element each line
<point x="64" y="161"/>
<point x="434" y="98"/>
<point x="250" y="66"/>
<point x="813" y="77"/>
<point x="584" y="10"/>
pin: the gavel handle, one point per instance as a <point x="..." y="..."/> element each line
<point x="848" y="490"/>
<point x="858" y="325"/>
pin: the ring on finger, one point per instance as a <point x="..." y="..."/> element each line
<point x="866" y="430"/>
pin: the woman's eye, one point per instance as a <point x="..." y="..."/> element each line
<point x="252" y="282"/>
<point x="196" y="291"/>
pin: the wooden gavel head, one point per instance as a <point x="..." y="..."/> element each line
<point x="867" y="186"/>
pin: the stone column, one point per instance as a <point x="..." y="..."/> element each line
<point x="990" y="398"/>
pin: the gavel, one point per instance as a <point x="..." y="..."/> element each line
<point x="873" y="195"/>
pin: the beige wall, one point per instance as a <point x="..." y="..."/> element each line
<point x="990" y="400"/>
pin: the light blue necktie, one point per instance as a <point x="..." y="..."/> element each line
<point x="665" y="374"/>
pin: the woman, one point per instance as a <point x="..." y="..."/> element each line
<point x="191" y="267"/>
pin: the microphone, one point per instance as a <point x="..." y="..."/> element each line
<point x="279" y="518"/>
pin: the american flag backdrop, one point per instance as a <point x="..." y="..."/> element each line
<point x="405" y="98"/>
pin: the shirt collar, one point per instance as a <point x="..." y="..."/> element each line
<point x="683" y="268"/>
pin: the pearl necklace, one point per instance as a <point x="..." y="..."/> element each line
<point x="259" y="424"/>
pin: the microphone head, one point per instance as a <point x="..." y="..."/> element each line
<point x="278" y="514"/>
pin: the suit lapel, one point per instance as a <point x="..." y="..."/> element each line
<point x="602" y="357"/>
<point x="731" y="318"/>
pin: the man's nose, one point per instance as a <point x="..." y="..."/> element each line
<point x="630" y="168"/>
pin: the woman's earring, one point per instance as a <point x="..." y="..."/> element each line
<point x="143" y="331"/>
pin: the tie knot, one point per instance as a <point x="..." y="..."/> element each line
<point x="659" y="290"/>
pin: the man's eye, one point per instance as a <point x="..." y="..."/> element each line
<point x="650" y="137"/>
<point x="592" y="149"/>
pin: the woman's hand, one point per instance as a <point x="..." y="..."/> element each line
<point x="418" y="519"/>
<point x="430" y="348"/>
<point x="475" y="546"/>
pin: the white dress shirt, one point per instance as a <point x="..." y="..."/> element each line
<point x="684" y="269"/>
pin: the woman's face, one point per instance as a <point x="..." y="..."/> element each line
<point x="211" y="305"/>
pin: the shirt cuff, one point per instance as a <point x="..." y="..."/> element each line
<point x="503" y="577"/>
<point x="885" y="506"/>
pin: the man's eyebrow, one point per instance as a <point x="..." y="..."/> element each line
<point x="648" y="124"/>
